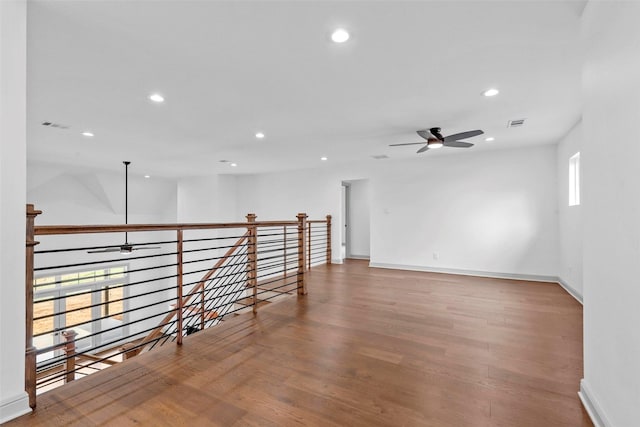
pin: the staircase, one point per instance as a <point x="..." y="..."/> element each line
<point x="214" y="296"/>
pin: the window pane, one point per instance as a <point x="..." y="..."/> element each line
<point x="43" y="307"/>
<point x="80" y="302"/>
<point x="116" y="272"/>
<point x="87" y="276"/>
<point x="112" y="304"/>
<point x="81" y="317"/>
<point x="69" y="279"/>
<point x="44" y="283"/>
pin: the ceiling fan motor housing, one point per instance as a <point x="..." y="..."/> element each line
<point x="436" y="132"/>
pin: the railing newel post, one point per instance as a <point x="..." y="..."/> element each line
<point x="302" y="245"/>
<point x="128" y="351"/>
<point x="70" y="354"/>
<point x="285" y="252"/>
<point x="30" y="350"/>
<point x="252" y="259"/>
<point x="309" y="245"/>
<point x="179" y="305"/>
<point x="328" y="239"/>
<point x="202" y="308"/>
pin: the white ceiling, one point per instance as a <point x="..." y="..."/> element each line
<point x="230" y="69"/>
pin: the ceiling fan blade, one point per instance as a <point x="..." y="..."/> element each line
<point x="463" y="135"/>
<point x="423" y="149"/>
<point x="457" y="144"/>
<point x="406" y="143"/>
<point x="145" y="247"/>
<point x="424" y="134"/>
<point x="102" y="251"/>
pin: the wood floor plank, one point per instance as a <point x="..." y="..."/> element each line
<point x="365" y="347"/>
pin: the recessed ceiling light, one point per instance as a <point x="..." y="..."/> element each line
<point x="490" y="139"/>
<point x="323" y="158"/>
<point x="87" y="133"/>
<point x="259" y="135"/>
<point x="233" y="165"/>
<point x="147" y="176"/>
<point x="340" y="35"/>
<point x="491" y="92"/>
<point x="156" y="97"/>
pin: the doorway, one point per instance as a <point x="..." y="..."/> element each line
<point x="356" y="205"/>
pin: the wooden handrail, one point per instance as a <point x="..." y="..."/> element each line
<point x="96" y="359"/>
<point x="45" y="230"/>
<point x="155" y="333"/>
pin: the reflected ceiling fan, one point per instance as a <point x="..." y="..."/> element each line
<point x="127" y="247"/>
<point x="434" y="139"/>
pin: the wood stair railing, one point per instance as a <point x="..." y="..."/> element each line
<point x="228" y="287"/>
<point x="133" y="349"/>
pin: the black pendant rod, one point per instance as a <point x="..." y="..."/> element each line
<point x="126" y="198"/>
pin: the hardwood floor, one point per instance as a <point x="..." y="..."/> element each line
<point x="366" y="347"/>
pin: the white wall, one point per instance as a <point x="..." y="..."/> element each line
<point x="208" y="199"/>
<point x="68" y="196"/>
<point x="489" y="212"/>
<point x="359" y="218"/>
<point x="569" y="217"/>
<point x="281" y="196"/>
<point x="13" y="399"/>
<point x="611" y="210"/>
<point x="486" y="212"/>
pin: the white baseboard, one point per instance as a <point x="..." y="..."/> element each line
<point x="352" y="256"/>
<point x="336" y="260"/>
<point x="531" y="277"/>
<point x="591" y="405"/>
<point x="14" y="406"/>
<point x="574" y="293"/>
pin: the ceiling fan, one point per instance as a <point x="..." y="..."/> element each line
<point x="434" y="139"/>
<point x="127" y="247"/>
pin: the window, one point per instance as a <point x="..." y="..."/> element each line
<point x="89" y="302"/>
<point x="574" y="180"/>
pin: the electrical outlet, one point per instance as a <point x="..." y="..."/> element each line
<point x="436" y="256"/>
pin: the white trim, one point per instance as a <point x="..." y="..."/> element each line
<point x="515" y="276"/>
<point x="353" y="256"/>
<point x="14" y="406"/>
<point x="336" y="260"/>
<point x="574" y="293"/>
<point x="591" y="405"/>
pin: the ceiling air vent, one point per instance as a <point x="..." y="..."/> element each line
<point x="55" y="125"/>
<point x="515" y="123"/>
<point x="380" y="156"/>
